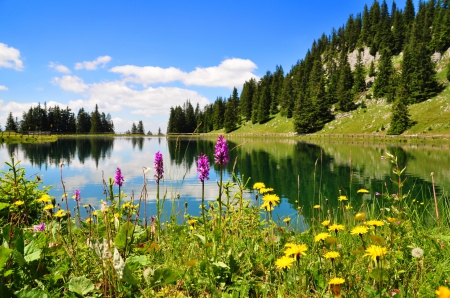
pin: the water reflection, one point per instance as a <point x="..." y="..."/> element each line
<point x="300" y="172"/>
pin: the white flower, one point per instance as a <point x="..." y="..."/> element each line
<point x="417" y="252"/>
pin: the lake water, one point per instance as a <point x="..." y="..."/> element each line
<point x="299" y="172"/>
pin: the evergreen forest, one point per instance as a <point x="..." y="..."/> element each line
<point x="381" y="53"/>
<point x="57" y="120"/>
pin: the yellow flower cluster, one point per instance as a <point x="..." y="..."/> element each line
<point x="259" y="185"/>
<point x="270" y="202"/>
<point x="284" y="262"/>
<point x="295" y="250"/>
<point x="376" y="252"/>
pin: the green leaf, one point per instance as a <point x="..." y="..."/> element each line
<point x="4" y="256"/>
<point x="121" y="238"/>
<point x="32" y="252"/>
<point x="31" y="293"/>
<point x="202" y="238"/>
<point x="3" y="205"/>
<point x="81" y="285"/>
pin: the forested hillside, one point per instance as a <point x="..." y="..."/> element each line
<point x="383" y="54"/>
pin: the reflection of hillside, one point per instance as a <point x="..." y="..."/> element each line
<point x="65" y="150"/>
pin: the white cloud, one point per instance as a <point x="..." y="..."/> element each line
<point x="92" y="65"/>
<point x="59" y="67"/>
<point x="230" y="73"/>
<point x="71" y="83"/>
<point x="3" y="88"/>
<point x="10" y="57"/>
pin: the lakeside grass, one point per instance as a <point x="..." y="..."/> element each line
<point x="375" y="245"/>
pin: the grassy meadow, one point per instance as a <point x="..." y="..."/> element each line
<point x="390" y="245"/>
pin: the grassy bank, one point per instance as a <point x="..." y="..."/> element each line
<point x="11" y="137"/>
<point x="373" y="245"/>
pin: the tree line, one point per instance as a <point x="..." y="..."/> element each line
<point x="323" y="82"/>
<point x="58" y="120"/>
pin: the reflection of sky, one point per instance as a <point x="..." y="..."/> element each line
<point x="87" y="177"/>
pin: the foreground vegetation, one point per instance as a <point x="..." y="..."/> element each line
<point x="373" y="245"/>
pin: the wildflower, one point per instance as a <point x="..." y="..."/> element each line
<point x="265" y="190"/>
<point x="192" y="222"/>
<point x="362" y="190"/>
<point x="127" y="205"/>
<point x="374" y="223"/>
<point x="49" y="207"/>
<point x="88" y="220"/>
<point x="104" y="207"/>
<point x="332" y="255"/>
<point x="221" y="153"/>
<point x="335" y="228"/>
<point x="116" y="215"/>
<point x="77" y="197"/>
<point x="342" y="198"/>
<point x="377" y="239"/>
<point x="391" y="219"/>
<point x="118" y="180"/>
<point x="271" y="199"/>
<point x="359" y="230"/>
<point x="64" y="196"/>
<point x="375" y="252"/>
<point x="295" y="250"/>
<point x="159" y="167"/>
<point x="45" y="198"/>
<point x="284" y="262"/>
<point x="60" y="213"/>
<point x="19" y="203"/>
<point x="287" y="220"/>
<point x="377" y="193"/>
<point x="417" y="252"/>
<point x="203" y="167"/>
<point x="259" y="185"/>
<point x="316" y="207"/>
<point x="268" y="207"/>
<point x="39" y="228"/>
<point x="325" y="223"/>
<point x="360" y="216"/>
<point x="95" y="213"/>
<point x="336" y="281"/>
<point x="443" y="292"/>
<point x="348" y="207"/>
<point x="321" y="236"/>
<point x="85" y="205"/>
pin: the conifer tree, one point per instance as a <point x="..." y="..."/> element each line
<point x="359" y="76"/>
<point x="400" y="119"/>
<point x="382" y="83"/>
<point x="95" y="121"/>
<point x="10" y="123"/>
<point x="345" y="84"/>
<point x="276" y="89"/>
<point x="287" y="98"/>
<point x="230" y="117"/>
<point x="245" y="103"/>
<point x="365" y="36"/>
<point x="372" y="72"/>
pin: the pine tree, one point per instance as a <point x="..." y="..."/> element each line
<point x="400" y="119"/>
<point x="372" y="72"/>
<point x="95" y="121"/>
<point x="359" y="76"/>
<point x="365" y="36"/>
<point x="140" y="127"/>
<point x="276" y="89"/>
<point x="230" y="117"/>
<point x="218" y="114"/>
<point x="10" y="123"/>
<point x="382" y="83"/>
<point x="245" y="105"/>
<point x="344" y="87"/>
<point x="133" y="128"/>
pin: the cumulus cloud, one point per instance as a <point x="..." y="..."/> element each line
<point x="3" y="88"/>
<point x="92" y="65"/>
<point x="70" y="83"/>
<point x="229" y="73"/>
<point x="59" y="67"/>
<point x="10" y="57"/>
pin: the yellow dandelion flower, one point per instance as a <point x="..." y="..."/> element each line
<point x="95" y="213"/>
<point x="266" y="206"/>
<point x="342" y="198"/>
<point x="321" y="236"/>
<point x="192" y="222"/>
<point x="296" y="250"/>
<point x="325" y="223"/>
<point x="271" y="199"/>
<point x="284" y="262"/>
<point x="332" y="255"/>
<point x="60" y="213"/>
<point x="127" y="205"/>
<point x="336" y="228"/>
<point x="443" y="292"/>
<point x="336" y="281"/>
<point x="359" y="230"/>
<point x="49" y="207"/>
<point x="360" y="216"/>
<point x="287" y="220"/>
<point x="391" y="219"/>
<point x="316" y="206"/>
<point x="19" y="203"/>
<point x="116" y="215"/>
<point x="45" y="198"/>
<point x="374" y="223"/>
<point x="375" y="252"/>
<point x="88" y="220"/>
<point x="348" y="207"/>
<point x="362" y="190"/>
<point x="85" y="205"/>
<point x="64" y="195"/>
<point x="265" y="190"/>
<point x="259" y="185"/>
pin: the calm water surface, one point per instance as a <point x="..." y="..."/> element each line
<point x="299" y="172"/>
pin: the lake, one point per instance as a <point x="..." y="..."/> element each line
<point x="299" y="172"/>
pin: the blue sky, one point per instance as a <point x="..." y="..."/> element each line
<point x="136" y="59"/>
